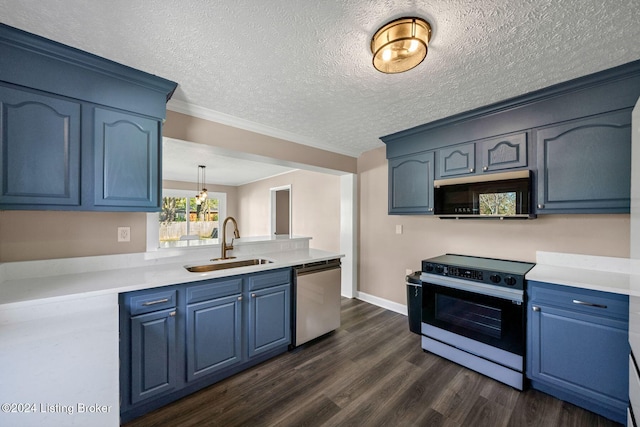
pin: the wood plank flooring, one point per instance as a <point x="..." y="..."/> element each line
<point x="370" y="372"/>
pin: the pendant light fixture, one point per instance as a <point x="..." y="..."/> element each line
<point x="202" y="194"/>
<point x="400" y="45"/>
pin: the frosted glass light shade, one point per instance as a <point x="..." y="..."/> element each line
<point x="400" y="45"/>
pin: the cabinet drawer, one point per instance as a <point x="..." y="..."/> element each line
<point x="587" y="301"/>
<point x="265" y="280"/>
<point x="213" y="289"/>
<point x="152" y="301"/>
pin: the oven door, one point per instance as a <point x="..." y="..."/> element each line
<point x="463" y="308"/>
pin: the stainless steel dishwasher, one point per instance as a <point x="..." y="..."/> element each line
<point x="317" y="300"/>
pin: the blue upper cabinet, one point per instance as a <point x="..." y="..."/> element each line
<point x="585" y="164"/>
<point x="126" y="159"/>
<point x="77" y="132"/>
<point x="494" y="154"/>
<point x="575" y="137"/>
<point x="457" y="160"/>
<point x="39" y="148"/>
<point x="505" y="152"/>
<point x="411" y="184"/>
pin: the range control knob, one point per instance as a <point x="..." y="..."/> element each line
<point x="439" y="269"/>
<point x="429" y="268"/>
<point x="495" y="278"/>
<point x="510" y="280"/>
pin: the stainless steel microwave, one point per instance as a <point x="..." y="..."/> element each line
<point x="499" y="195"/>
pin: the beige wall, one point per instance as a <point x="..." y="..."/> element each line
<point x="384" y="255"/>
<point x="315" y="204"/>
<point x="31" y="235"/>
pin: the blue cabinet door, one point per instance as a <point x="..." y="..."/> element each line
<point x="126" y="161"/>
<point x="585" y="165"/>
<point x="39" y="149"/>
<point x="577" y="347"/>
<point x="411" y="184"/>
<point x="214" y="335"/>
<point x="505" y="152"/>
<point x="269" y="319"/>
<point x="153" y="354"/>
<point x="457" y="160"/>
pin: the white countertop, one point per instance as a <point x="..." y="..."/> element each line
<point x="93" y="276"/>
<point x="608" y="274"/>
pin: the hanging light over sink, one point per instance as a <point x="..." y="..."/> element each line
<point x="202" y="194"/>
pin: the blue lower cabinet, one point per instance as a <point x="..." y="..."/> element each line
<point x="153" y="355"/>
<point x="214" y="336"/>
<point x="178" y="339"/>
<point x="269" y="319"/>
<point x="577" y="347"/>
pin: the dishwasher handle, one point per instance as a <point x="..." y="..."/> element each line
<point x="316" y="267"/>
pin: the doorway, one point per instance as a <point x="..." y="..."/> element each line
<point x="281" y="210"/>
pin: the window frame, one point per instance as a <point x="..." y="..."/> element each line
<point x="153" y="224"/>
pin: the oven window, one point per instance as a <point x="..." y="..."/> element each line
<point x="498" y="203"/>
<point x="469" y="315"/>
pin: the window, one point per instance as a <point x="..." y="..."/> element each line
<point x="183" y="223"/>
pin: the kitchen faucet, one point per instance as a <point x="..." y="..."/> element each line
<point x="236" y="235"/>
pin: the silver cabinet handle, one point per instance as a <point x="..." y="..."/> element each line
<point x="540" y="206"/>
<point x="253" y="295"/>
<point x="172" y="314"/>
<point x="159" y="301"/>
<point x="239" y="298"/>
<point x="470" y="169"/>
<point x="536" y="308"/>
<point x="590" y="304"/>
<point x="486" y="168"/>
<point x="430" y="209"/>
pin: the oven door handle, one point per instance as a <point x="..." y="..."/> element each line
<point x="516" y="295"/>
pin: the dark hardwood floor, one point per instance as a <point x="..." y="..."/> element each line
<point x="370" y="372"/>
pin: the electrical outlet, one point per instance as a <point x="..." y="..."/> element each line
<point x="124" y="234"/>
<point x="398" y="228"/>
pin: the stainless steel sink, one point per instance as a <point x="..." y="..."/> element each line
<point x="225" y="265"/>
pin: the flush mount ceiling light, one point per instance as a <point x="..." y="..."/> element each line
<point x="400" y="45"/>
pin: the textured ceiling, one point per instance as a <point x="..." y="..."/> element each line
<point x="302" y="69"/>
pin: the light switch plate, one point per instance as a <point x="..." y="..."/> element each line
<point x="399" y="229"/>
<point x="124" y="234"/>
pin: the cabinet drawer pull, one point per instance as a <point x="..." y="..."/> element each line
<point x="536" y="308"/>
<point x="486" y="168"/>
<point x="239" y="298"/>
<point x="172" y="314"/>
<point x="253" y="295"/>
<point x="159" y="301"/>
<point x="590" y="304"/>
<point x="540" y="206"/>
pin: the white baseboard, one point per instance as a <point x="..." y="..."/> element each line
<point x="381" y="302"/>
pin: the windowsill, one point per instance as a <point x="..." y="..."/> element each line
<point x="188" y="243"/>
